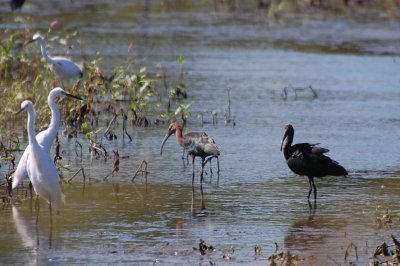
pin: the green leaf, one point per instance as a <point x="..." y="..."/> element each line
<point x="181" y="60"/>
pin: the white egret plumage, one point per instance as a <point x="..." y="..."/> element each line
<point x="62" y="67"/>
<point x="40" y="167"/>
<point x="46" y="137"/>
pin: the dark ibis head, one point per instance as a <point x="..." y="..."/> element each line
<point x="289" y="133"/>
<point x="171" y="130"/>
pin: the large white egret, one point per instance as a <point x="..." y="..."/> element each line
<point x="62" y="67"/>
<point x="41" y="169"/>
<point x="46" y="137"/>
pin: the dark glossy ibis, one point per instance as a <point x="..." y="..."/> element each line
<point x="197" y="144"/>
<point x="307" y="159"/>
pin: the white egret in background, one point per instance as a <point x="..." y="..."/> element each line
<point x="46" y="137"/>
<point x="62" y="67"/>
<point x="41" y="169"/>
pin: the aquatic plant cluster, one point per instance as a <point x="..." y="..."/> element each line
<point x="128" y="91"/>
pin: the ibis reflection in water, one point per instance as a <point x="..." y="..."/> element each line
<point x="307" y="159"/>
<point x="197" y="144"/>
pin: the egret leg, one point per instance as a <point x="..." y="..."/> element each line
<point x="51" y="215"/>
<point x="51" y="225"/>
<point x="37" y="208"/>
<point x="37" y="205"/>
<point x="30" y="189"/>
<point x="211" y="172"/>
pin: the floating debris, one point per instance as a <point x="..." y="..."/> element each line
<point x="351" y="245"/>
<point x="203" y="247"/>
<point x="387" y="255"/>
<point x="257" y="250"/>
<point x="299" y="92"/>
<point x="140" y="169"/>
<point x="384" y="220"/>
<point x="284" y="258"/>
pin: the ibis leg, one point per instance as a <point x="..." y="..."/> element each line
<point x="311" y="187"/>
<point x="192" y="207"/>
<point x="203" y="205"/>
<point x="218" y="164"/>
<point x="183" y="158"/>
<point x="315" y="190"/>
<point x="192" y="169"/>
<point x="202" y="170"/>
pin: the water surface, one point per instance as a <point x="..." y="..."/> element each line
<point x="255" y="200"/>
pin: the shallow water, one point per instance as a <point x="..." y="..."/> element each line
<point x="255" y="200"/>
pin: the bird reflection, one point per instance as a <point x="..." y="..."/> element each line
<point x="203" y="205"/>
<point x="24" y="229"/>
<point x="30" y="231"/>
<point x="316" y="234"/>
<point x="302" y="232"/>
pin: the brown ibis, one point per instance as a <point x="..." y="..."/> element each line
<point x="197" y="144"/>
<point x="307" y="159"/>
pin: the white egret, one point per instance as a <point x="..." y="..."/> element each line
<point x="46" y="137"/>
<point x="41" y="169"/>
<point x="62" y="67"/>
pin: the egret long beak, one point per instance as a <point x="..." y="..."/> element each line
<point x="19" y="111"/>
<point x="165" y="140"/>
<point x="73" y="96"/>
<point x="28" y="42"/>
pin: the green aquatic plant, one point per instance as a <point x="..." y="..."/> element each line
<point x="25" y="75"/>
